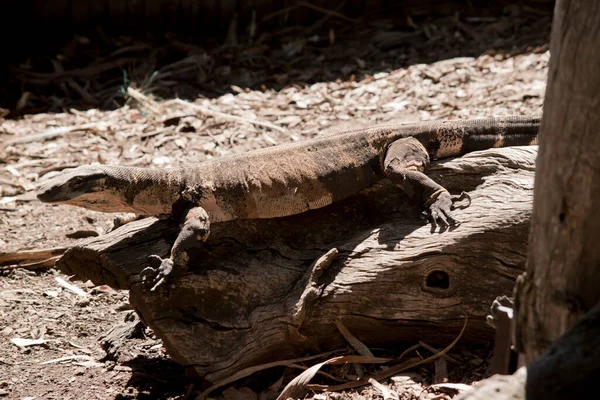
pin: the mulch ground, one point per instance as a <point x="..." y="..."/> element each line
<point x="168" y="102"/>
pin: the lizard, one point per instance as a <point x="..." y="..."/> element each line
<point x="285" y="179"/>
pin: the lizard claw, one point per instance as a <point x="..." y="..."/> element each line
<point x="439" y="211"/>
<point x="147" y="273"/>
<point x="457" y="198"/>
<point x="157" y="272"/>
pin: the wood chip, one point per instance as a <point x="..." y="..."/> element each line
<point x="20" y="342"/>
<point x="70" y="287"/>
<point x="83" y="233"/>
<point x="67" y="358"/>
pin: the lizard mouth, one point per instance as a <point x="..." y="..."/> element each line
<point x="51" y="194"/>
<point x="95" y="201"/>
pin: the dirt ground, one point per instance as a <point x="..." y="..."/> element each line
<point x="289" y="87"/>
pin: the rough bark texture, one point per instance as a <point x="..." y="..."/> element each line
<point x="271" y="289"/>
<point x="114" y="342"/>
<point x="562" y="278"/>
<point x="570" y="368"/>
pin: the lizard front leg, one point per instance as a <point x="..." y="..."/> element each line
<point x="194" y="232"/>
<point x="404" y="162"/>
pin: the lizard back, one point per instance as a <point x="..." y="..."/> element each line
<point x="310" y="174"/>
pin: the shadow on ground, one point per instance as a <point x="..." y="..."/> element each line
<point x="93" y="70"/>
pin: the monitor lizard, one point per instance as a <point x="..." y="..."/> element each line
<point x="286" y="179"/>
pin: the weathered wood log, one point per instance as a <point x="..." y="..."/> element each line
<point x="264" y="290"/>
<point x="114" y="342"/>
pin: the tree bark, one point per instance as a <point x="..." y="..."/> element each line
<point x="562" y="280"/>
<point x="266" y="290"/>
<point x="570" y="368"/>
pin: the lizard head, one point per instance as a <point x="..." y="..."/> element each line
<point x="89" y="186"/>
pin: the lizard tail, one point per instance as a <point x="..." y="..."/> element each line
<point x="503" y="132"/>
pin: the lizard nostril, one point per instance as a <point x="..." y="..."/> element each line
<point x="42" y="194"/>
<point x="48" y="194"/>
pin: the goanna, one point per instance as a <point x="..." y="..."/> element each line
<point x="286" y="179"/>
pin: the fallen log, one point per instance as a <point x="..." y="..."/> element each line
<point x="265" y="290"/>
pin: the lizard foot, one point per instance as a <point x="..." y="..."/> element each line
<point x="157" y="272"/>
<point x="439" y="211"/>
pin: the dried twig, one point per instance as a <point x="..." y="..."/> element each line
<point x="74" y="85"/>
<point x="359" y="346"/>
<point x="30" y="256"/>
<point x="279" y="12"/>
<point x="56" y="167"/>
<point x="396" y="369"/>
<point x="441" y="371"/>
<point x="325" y="374"/>
<point x="327" y="11"/>
<point x="24" y="342"/>
<point x="68" y="358"/>
<point x="249" y="371"/>
<point x="54" y="132"/>
<point x="70" y="287"/>
<point x="35" y="163"/>
<point x="47" y="263"/>
<point x="298" y="385"/>
<point x="435" y="351"/>
<point x="218" y="114"/>
<point x="144" y="100"/>
<point x="466" y="29"/>
<point x="86" y="72"/>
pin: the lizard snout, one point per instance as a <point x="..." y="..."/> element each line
<point x="48" y="193"/>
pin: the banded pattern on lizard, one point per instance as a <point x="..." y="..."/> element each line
<point x="286" y="179"/>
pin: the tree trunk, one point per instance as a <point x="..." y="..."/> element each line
<point x="265" y="290"/>
<point x="562" y="279"/>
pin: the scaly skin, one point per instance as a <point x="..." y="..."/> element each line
<point x="287" y="179"/>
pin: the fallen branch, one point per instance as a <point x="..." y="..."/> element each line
<point x="25" y="258"/>
<point x="327" y="11"/>
<point x="54" y="132"/>
<point x="144" y="100"/>
<point x="47" y="263"/>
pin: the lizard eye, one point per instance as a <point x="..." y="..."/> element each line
<point x="77" y="181"/>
